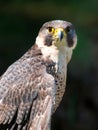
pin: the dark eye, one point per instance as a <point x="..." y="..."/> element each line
<point x="68" y="29"/>
<point x="50" y="29"/>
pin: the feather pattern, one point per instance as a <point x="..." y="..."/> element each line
<point x="23" y="91"/>
<point x="32" y="87"/>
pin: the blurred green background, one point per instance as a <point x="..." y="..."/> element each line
<point x="20" y="21"/>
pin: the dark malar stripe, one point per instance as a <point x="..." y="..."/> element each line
<point x="70" y="40"/>
<point x="48" y="40"/>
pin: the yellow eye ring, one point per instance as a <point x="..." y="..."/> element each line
<point x="50" y="29"/>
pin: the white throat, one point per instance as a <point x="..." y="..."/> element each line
<point x="60" y="56"/>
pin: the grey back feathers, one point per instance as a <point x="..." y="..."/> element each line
<point x="20" y="90"/>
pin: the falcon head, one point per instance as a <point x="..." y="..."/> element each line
<point x="55" y="37"/>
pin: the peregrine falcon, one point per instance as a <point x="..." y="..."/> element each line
<point x="32" y="87"/>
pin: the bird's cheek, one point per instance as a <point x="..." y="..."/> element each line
<point x="70" y="40"/>
<point x="48" y="40"/>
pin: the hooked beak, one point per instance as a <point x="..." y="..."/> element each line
<point x="59" y="33"/>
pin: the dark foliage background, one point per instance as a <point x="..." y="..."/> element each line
<point x="20" y="21"/>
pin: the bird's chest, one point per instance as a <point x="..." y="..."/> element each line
<point x="59" y="73"/>
<point x="60" y="84"/>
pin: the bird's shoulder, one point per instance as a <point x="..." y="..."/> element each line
<point x="25" y="82"/>
<point x="28" y="70"/>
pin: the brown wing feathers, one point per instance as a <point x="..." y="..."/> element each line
<point x="25" y="92"/>
<point x="18" y="95"/>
